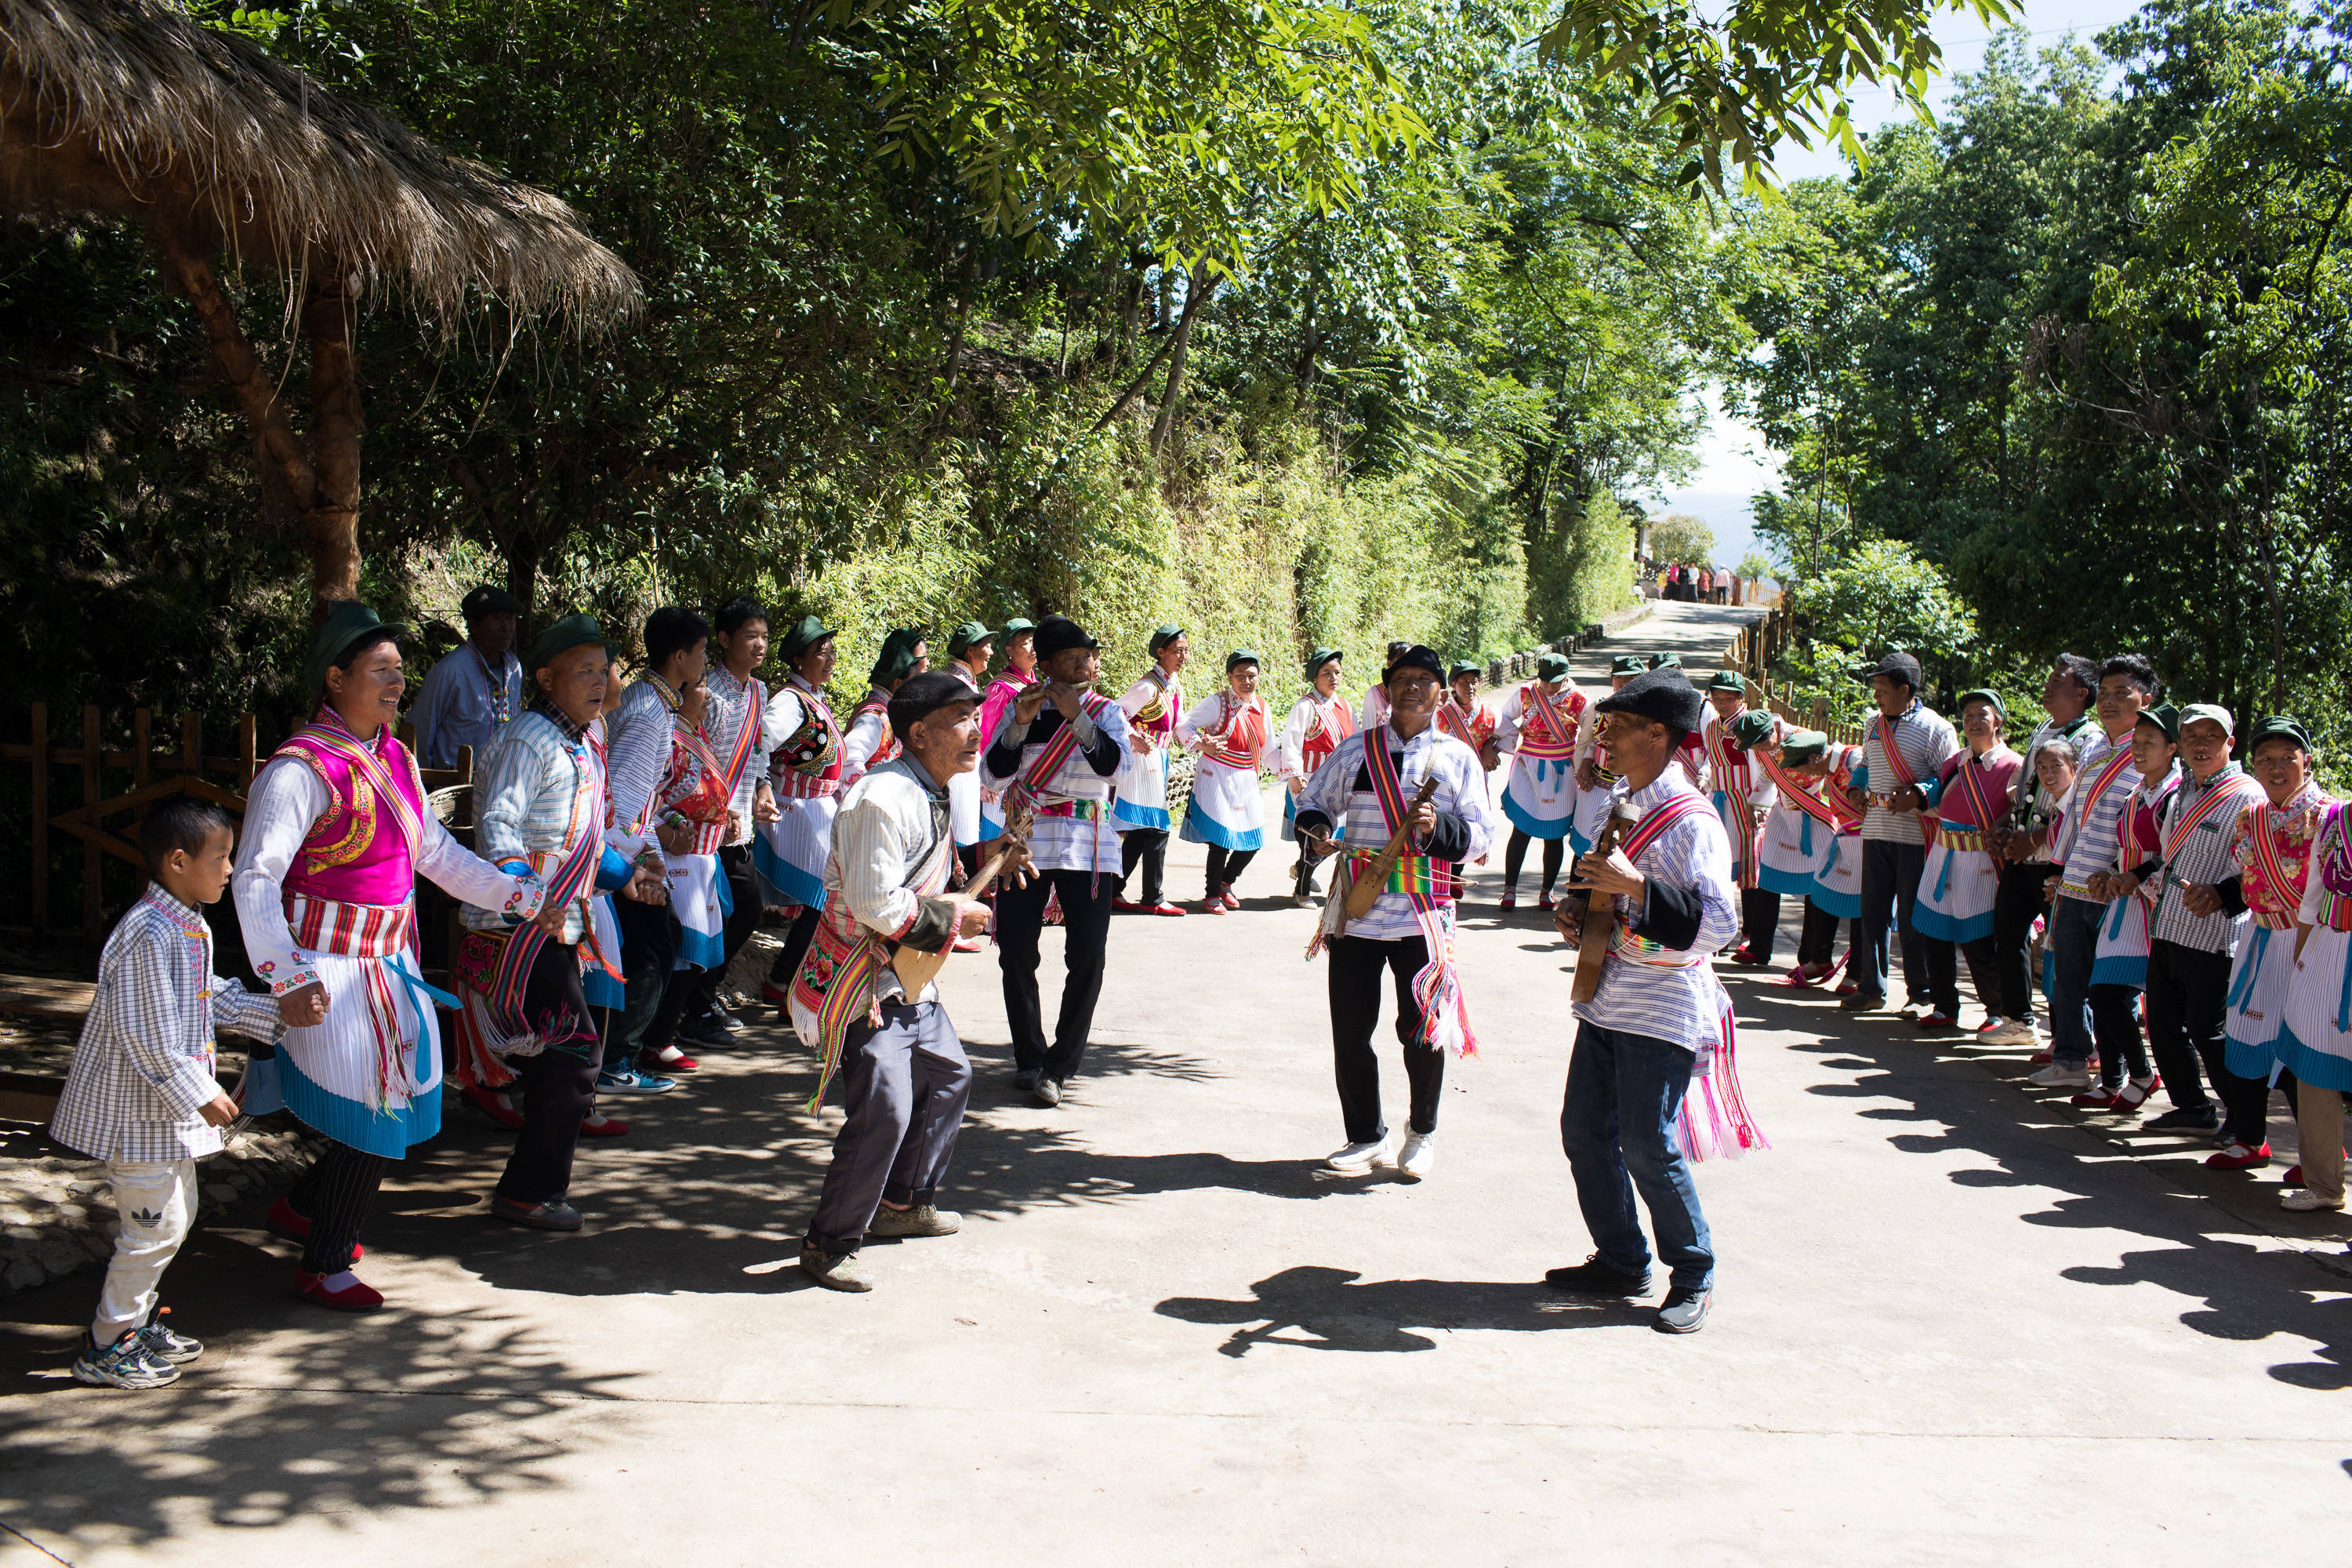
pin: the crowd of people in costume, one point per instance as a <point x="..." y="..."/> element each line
<point x="627" y="841"/>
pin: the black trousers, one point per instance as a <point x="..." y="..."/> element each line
<point x="559" y="1084"/>
<point x="1943" y="969"/>
<point x="1086" y="928"/>
<point x="1146" y="848"/>
<point x="2015" y="908"/>
<point x="1817" y="943"/>
<point x="1759" y="921"/>
<point x="1225" y="866"/>
<point x="691" y="991"/>
<point x="1515" y="855"/>
<point x="1355" y="982"/>
<point x="649" y="938"/>
<point x="796" y="945"/>
<point x="1890" y="886"/>
<point x="2188" y="1002"/>
<point x="335" y="1195"/>
<point x="2115" y="1030"/>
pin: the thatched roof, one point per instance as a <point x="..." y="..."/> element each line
<point x="128" y="107"/>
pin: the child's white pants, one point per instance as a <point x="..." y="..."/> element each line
<point x="157" y="1203"/>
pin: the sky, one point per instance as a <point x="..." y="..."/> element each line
<point x="1734" y="462"/>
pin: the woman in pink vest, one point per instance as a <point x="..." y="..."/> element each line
<point x="337" y="830"/>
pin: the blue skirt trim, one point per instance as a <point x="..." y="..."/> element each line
<point x="1936" y="923"/>
<point x="701" y="949"/>
<point x="1790" y="884"/>
<point x="1536" y="827"/>
<point x="361" y="1126"/>
<point x="2247" y="1060"/>
<point x="1126" y="814"/>
<point x="1845" y="907"/>
<point x="2117" y="968"/>
<point x="787" y="882"/>
<point x="602" y="991"/>
<point x="2322" y="1068"/>
<point x="1200" y="828"/>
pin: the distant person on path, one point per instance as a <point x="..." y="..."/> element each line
<point x="143" y="1094"/>
<point x="475" y="687"/>
<point x="1742" y="791"/>
<point x="1903" y="753"/>
<point x="1723" y="584"/>
<point x="895" y="1062"/>
<point x="1660" y="1018"/>
<point x="1139" y="804"/>
<point x="1538" y="728"/>
<point x="2025" y="871"/>
<point x="1959" y="881"/>
<point x="337" y="832"/>
<point x="1319" y="722"/>
<point x="1059" y="744"/>
<point x="2083" y="843"/>
<point x="1357" y="802"/>
<point x="1232" y="730"/>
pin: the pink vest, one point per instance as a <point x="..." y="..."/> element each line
<point x="364" y="850"/>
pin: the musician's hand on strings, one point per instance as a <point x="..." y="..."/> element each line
<point x="971" y="917"/>
<point x="2201" y="898"/>
<point x="1616" y="875"/>
<point x="1567" y="918"/>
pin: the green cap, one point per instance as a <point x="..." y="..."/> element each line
<point x="805" y="634"/>
<point x="2165" y="717"/>
<point x="897" y="657"/>
<point x="1801" y="746"/>
<point x="1316" y="661"/>
<point x="967" y="636"/>
<point x="1729" y="680"/>
<point x="561" y="638"/>
<point x="347" y="626"/>
<point x="1666" y="661"/>
<point x="1628" y="664"/>
<point x="1239" y="657"/>
<point x="2213" y="712"/>
<point x="2280" y="727"/>
<point x="1016" y="625"/>
<point x="1461" y="667"/>
<point x="1999" y="709"/>
<point x="1752" y="729"/>
<point x="1162" y="635"/>
<point x="1550" y="665"/>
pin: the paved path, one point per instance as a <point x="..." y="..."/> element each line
<point x="1955" y="1323"/>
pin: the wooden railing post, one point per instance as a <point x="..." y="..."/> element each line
<point x="90" y="795"/>
<point x="41" y="750"/>
<point x="192" y="745"/>
<point x="252" y="759"/>
<point x="140" y="719"/>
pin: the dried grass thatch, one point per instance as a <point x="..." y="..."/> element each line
<point x="128" y="107"/>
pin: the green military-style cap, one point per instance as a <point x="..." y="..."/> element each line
<point x="561" y="638"/>
<point x="804" y="634"/>
<point x="1551" y="666"/>
<point x="347" y="628"/>
<point x="1316" y="661"/>
<point x="2211" y="711"/>
<point x="1240" y="657"/>
<point x="897" y="660"/>
<point x="1461" y="667"/>
<point x="1016" y="625"/>
<point x="966" y="637"/>
<point x="1666" y="661"/>
<point x="1801" y="746"/>
<point x="2000" y="708"/>
<point x="1752" y="729"/>
<point x="2165" y="717"/>
<point x="1628" y="664"/>
<point x="2280" y="727"/>
<point x="1729" y="680"/>
<point x="1163" y="635"/>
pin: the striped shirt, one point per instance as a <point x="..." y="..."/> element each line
<point x="1683" y="1006"/>
<point x="890" y="825"/>
<point x="144" y="1065"/>
<point x="2086" y="838"/>
<point x="1925" y="740"/>
<point x="641" y="733"/>
<point x="1073" y="831"/>
<point x="722" y="722"/>
<point x="1341" y="789"/>
<point x="528" y="806"/>
<point x="2204" y="858"/>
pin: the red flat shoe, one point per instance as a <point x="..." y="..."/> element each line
<point x="2294" y="1177"/>
<point x="355" y="1297"/>
<point x="969" y="944"/>
<point x="2131" y="1097"/>
<point x="2238" y="1157"/>
<point x="1168" y="909"/>
<point x="1507" y="901"/>
<point x="1937" y="1021"/>
<point x="1212" y="906"/>
<point x="492" y="1106"/>
<point x="1127" y="907"/>
<point x="1546" y="901"/>
<point x="1226" y="896"/>
<point x="2095" y="1098"/>
<point x="283" y="1221"/>
<point x="603" y="1127"/>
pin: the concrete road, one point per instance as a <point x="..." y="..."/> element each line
<point x="1954" y="1323"/>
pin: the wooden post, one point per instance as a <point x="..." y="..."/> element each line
<point x="1821" y="714"/>
<point x="90" y="795"/>
<point x="41" y="748"/>
<point x="139" y="729"/>
<point x="192" y="745"/>
<point x="245" y="746"/>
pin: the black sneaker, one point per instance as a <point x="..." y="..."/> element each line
<point x="705" y="1032"/>
<point x="1046" y="1091"/>
<point x="1594" y="1278"/>
<point x="553" y="1214"/>
<point x="2185" y="1119"/>
<point x="1026" y="1078"/>
<point x="1684" y="1310"/>
<point x="721" y="1015"/>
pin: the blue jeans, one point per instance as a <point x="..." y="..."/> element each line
<point x="1617" y="1126"/>
<point x="2073" y="938"/>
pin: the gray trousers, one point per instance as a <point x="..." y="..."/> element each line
<point x="904" y="1087"/>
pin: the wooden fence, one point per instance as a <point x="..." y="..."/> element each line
<point x="154" y="767"/>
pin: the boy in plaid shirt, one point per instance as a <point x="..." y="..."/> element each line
<point x="141" y="1095"/>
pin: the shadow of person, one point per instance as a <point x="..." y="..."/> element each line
<point x="1315" y="1308"/>
<point x="2248" y="1297"/>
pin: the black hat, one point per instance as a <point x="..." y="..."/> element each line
<point x="920" y="696"/>
<point x="1414" y="657"/>
<point x="1664" y="695"/>
<point x="1901" y="667"/>
<point x="486" y="600"/>
<point x="1628" y="664"/>
<point x="1058" y="634"/>
<point x="2278" y="726"/>
<point x="805" y="634"/>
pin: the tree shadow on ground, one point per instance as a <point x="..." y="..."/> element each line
<point x="2112" y="1175"/>
<point x="1314" y="1308"/>
<point x="233" y="1443"/>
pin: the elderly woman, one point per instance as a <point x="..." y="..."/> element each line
<point x="1232" y="729"/>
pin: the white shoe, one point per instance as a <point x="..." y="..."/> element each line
<point x="1355" y="1157"/>
<point x="2057" y="1077"/>
<point x="1420" y="1156"/>
<point x="2012" y="1032"/>
<point x="2303" y="1200"/>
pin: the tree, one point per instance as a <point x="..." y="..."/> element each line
<point x="1681" y="540"/>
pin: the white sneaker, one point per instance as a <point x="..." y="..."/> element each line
<point x="1420" y="1156"/>
<point x="2303" y="1200"/>
<point x="1381" y="1151"/>
<point x="2057" y="1077"/>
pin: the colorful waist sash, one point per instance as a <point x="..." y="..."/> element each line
<point x="1413" y="874"/>
<point x="353" y="930"/>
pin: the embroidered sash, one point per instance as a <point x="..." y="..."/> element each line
<point x="372" y="782"/>
<point x="1466" y="727"/>
<point x="808" y="764"/>
<point x="1560" y="742"/>
<point x="1642" y="950"/>
<point x="2280" y="882"/>
<point x="1438" y="987"/>
<point x="836" y="979"/>
<point x="1883" y="731"/>
<point x="2115" y="765"/>
<point x="1334" y="722"/>
<point x="2234" y="791"/>
<point x="1829" y="807"/>
<point x="1239" y="738"/>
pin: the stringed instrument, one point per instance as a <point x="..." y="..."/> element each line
<point x="1365" y="890"/>
<point x="1601" y="909"/>
<point x="916" y="968"/>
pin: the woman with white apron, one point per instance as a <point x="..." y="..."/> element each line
<point x="1231" y="730"/>
<point x="1140" y="793"/>
<point x="2120" y="964"/>
<point x="1539" y="726"/>
<point x="805" y="779"/>
<point x="1959" y="880"/>
<point x="970" y="648"/>
<point x="1319" y="722"/>
<point x="1808" y="813"/>
<point x="2316" y="1043"/>
<point x="1020" y="669"/>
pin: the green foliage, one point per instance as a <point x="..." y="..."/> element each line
<point x="1755" y="566"/>
<point x="1678" y="539"/>
<point x="1882" y="599"/>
